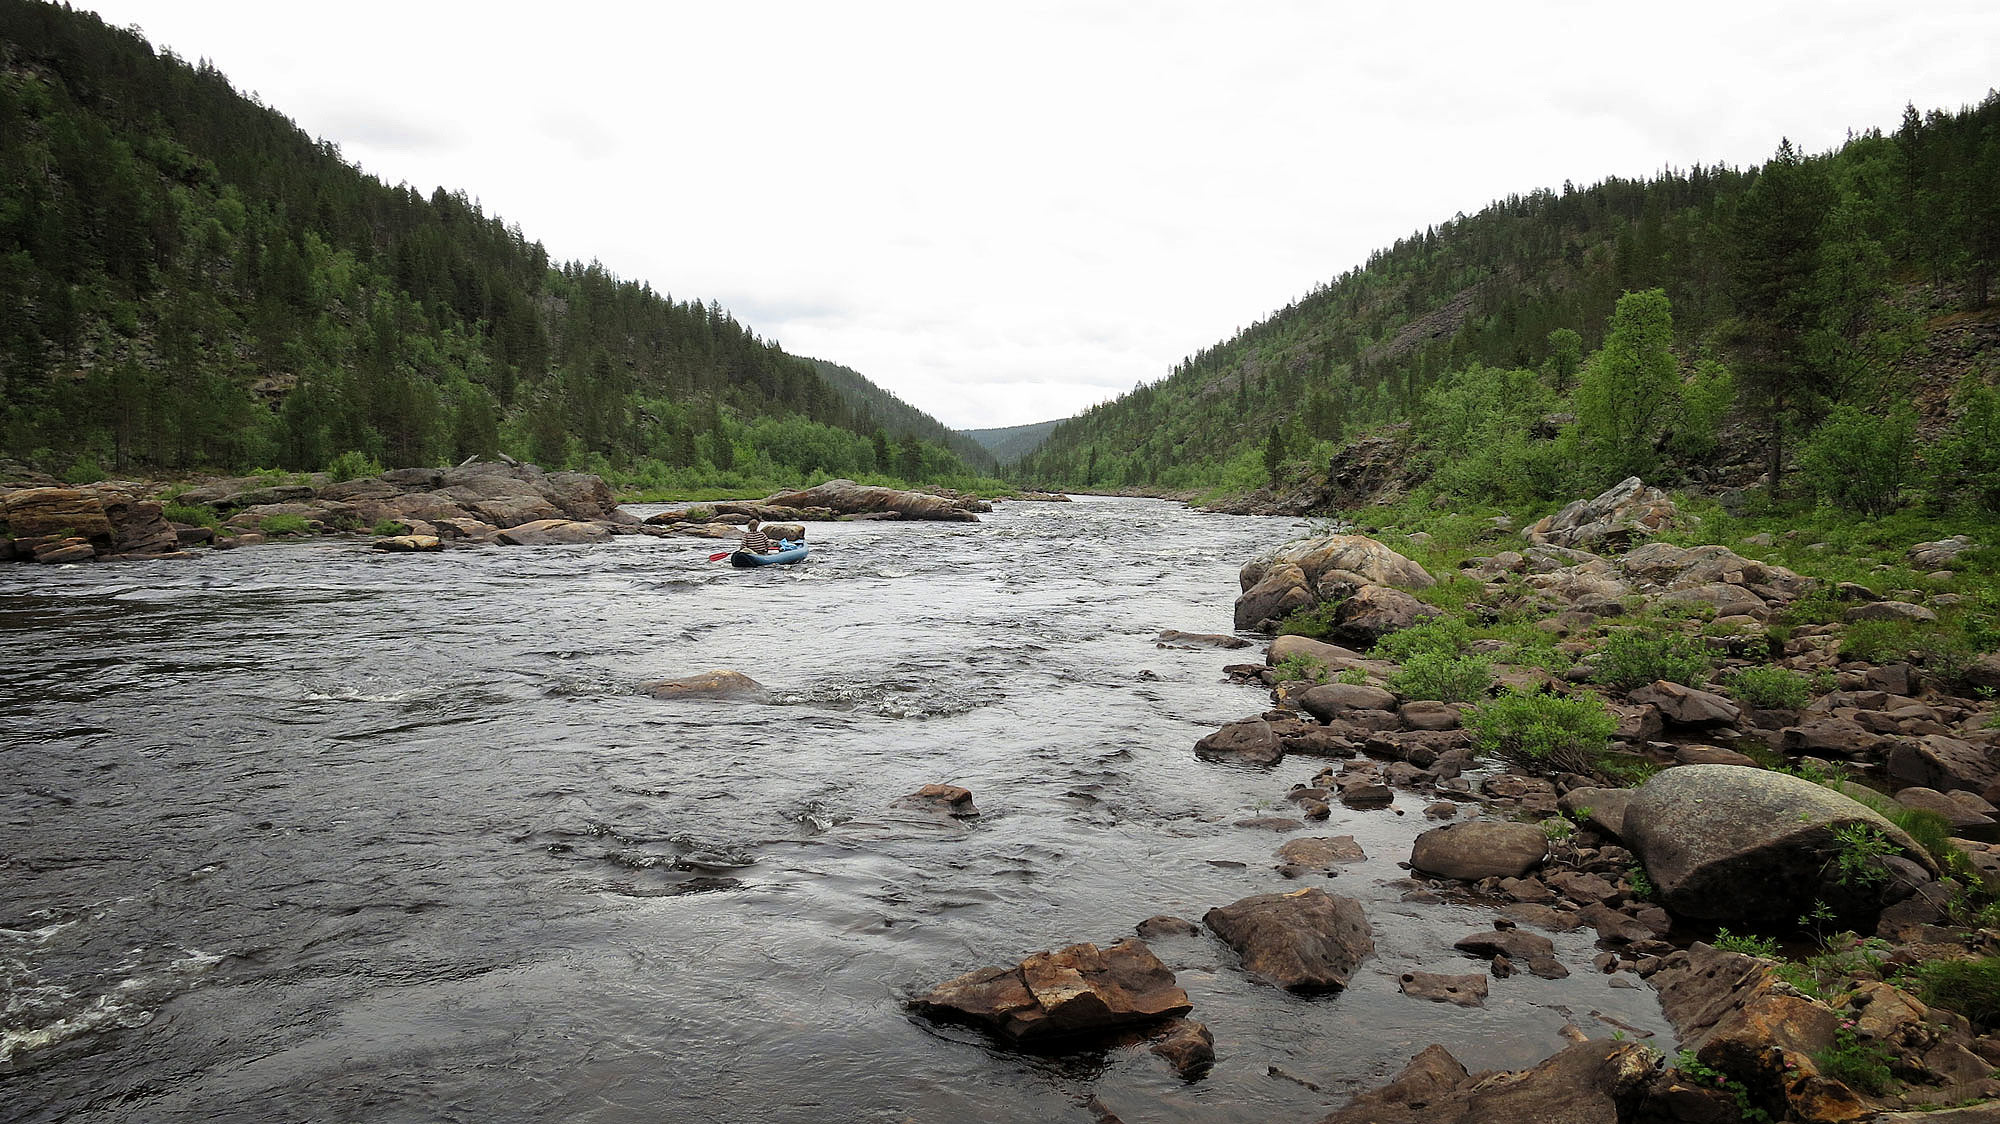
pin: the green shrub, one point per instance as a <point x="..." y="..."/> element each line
<point x="1858" y="861"/>
<point x="1544" y="731"/>
<point x="1771" y="688"/>
<point x="1748" y="944"/>
<point x="1446" y="678"/>
<point x="285" y="525"/>
<point x="192" y="514"/>
<point x="1857" y="1063"/>
<point x="1439" y="635"/>
<point x="1314" y="622"/>
<point x="390" y="528"/>
<point x="1857" y="461"/>
<point x="353" y="465"/>
<point x="1634" y="657"/>
<point x="86" y="470"/>
<point x="1353" y="677"/>
<point x="1970" y="987"/>
<point x="1300" y="666"/>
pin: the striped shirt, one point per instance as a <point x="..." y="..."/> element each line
<point x="756" y="542"/>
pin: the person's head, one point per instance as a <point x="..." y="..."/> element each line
<point x="753" y="523"/>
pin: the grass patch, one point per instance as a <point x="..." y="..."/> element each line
<point x="192" y="514"/>
<point x="1970" y="987"/>
<point x="390" y="528"/>
<point x="1314" y="622"/>
<point x="1300" y="666"/>
<point x="285" y="525"/>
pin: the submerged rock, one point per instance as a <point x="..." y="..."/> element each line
<point x="947" y="798"/>
<point x="1079" y="990"/>
<point x="708" y="685"/>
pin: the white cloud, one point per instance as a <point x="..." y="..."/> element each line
<point x="1007" y="212"/>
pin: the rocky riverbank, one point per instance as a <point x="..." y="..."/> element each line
<point x="410" y="509"/>
<point x="1649" y="747"/>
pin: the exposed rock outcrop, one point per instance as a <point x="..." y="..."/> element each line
<point x="845" y="497"/>
<point x="1611" y="520"/>
<point x="1079" y="990"/>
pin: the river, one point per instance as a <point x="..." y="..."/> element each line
<point x="308" y="832"/>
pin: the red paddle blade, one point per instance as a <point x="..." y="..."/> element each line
<point x="718" y="557"/>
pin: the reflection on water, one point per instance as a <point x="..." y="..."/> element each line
<point x="310" y="832"/>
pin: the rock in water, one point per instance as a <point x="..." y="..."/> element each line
<point x="1601" y="1082"/>
<point x="1307" y="940"/>
<point x="1079" y="990"/>
<point x="1251" y="741"/>
<point x="1728" y="843"/>
<point x="708" y="685"/>
<point x="1478" y="849"/>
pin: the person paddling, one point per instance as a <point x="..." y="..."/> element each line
<point x="754" y="541"/>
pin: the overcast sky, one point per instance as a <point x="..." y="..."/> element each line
<point x="1005" y="212"/>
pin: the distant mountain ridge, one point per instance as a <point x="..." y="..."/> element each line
<point x="1010" y="443"/>
<point x="875" y="407"/>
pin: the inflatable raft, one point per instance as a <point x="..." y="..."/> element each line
<point x="788" y="551"/>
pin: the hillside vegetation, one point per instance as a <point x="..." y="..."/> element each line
<point x="1823" y="322"/>
<point x="191" y="282"/>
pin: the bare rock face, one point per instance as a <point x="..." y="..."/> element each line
<point x="1075" y="991"/>
<point x="1622" y="513"/>
<point x="1476" y="849"/>
<point x="1337" y="558"/>
<point x="845" y="497"/>
<point x="34" y="512"/>
<point x="1304" y="941"/>
<point x="1682" y="705"/>
<point x="708" y="685"/>
<point x="1733" y="844"/>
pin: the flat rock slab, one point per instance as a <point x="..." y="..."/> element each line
<point x="1537" y="952"/>
<point x="1467" y="991"/>
<point x="1307" y="940"/>
<point x="1175" y="638"/>
<point x="1318" y="854"/>
<point x="1598" y="1082"/>
<point x="1476" y="849"/>
<point x="1076" y="991"/>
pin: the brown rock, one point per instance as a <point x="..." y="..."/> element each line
<point x="1943" y="763"/>
<point x="708" y="685"/>
<point x="947" y="798"/>
<point x="1317" y="854"/>
<point x="1307" y="940"/>
<point x="1250" y="741"/>
<point x="1598" y="1082"/>
<point x="1465" y="991"/>
<point x="408" y="543"/>
<point x="1538" y="952"/>
<point x="1711" y="755"/>
<point x="1175" y="638"/>
<point x="1424" y="714"/>
<point x="1163" y="926"/>
<point x="1333" y="700"/>
<point x="1281" y="591"/>
<point x="1375" y="611"/>
<point x="1682" y="705"/>
<point x="1078" y="990"/>
<point x="1475" y="849"/>
<point x="33" y="512"/>
<point x="1188" y="1047"/>
<point x="554" y="532"/>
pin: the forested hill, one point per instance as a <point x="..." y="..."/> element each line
<point x="875" y="407"/>
<point x="190" y="281"/>
<point x="1011" y="443"/>
<point x="1781" y="296"/>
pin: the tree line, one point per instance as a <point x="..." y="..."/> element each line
<point x="192" y="282"/>
<point x="1652" y="318"/>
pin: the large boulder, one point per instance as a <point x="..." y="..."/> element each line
<point x="1478" y="849"/>
<point x="1687" y="706"/>
<point x="34" y="512"/>
<point x="1735" y="844"/>
<point x="1276" y="594"/>
<point x="1073" y="991"/>
<point x="1946" y="764"/>
<point x="1626" y="511"/>
<point x="1251" y="742"/>
<point x="1307" y="940"/>
<point x="1375" y="611"/>
<point x="1331" y="700"/>
<point x="1342" y="559"/>
<point x="845" y="497"/>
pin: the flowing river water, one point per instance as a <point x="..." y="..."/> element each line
<point x="309" y="832"/>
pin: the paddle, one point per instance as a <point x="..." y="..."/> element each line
<point x="720" y="557"/>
